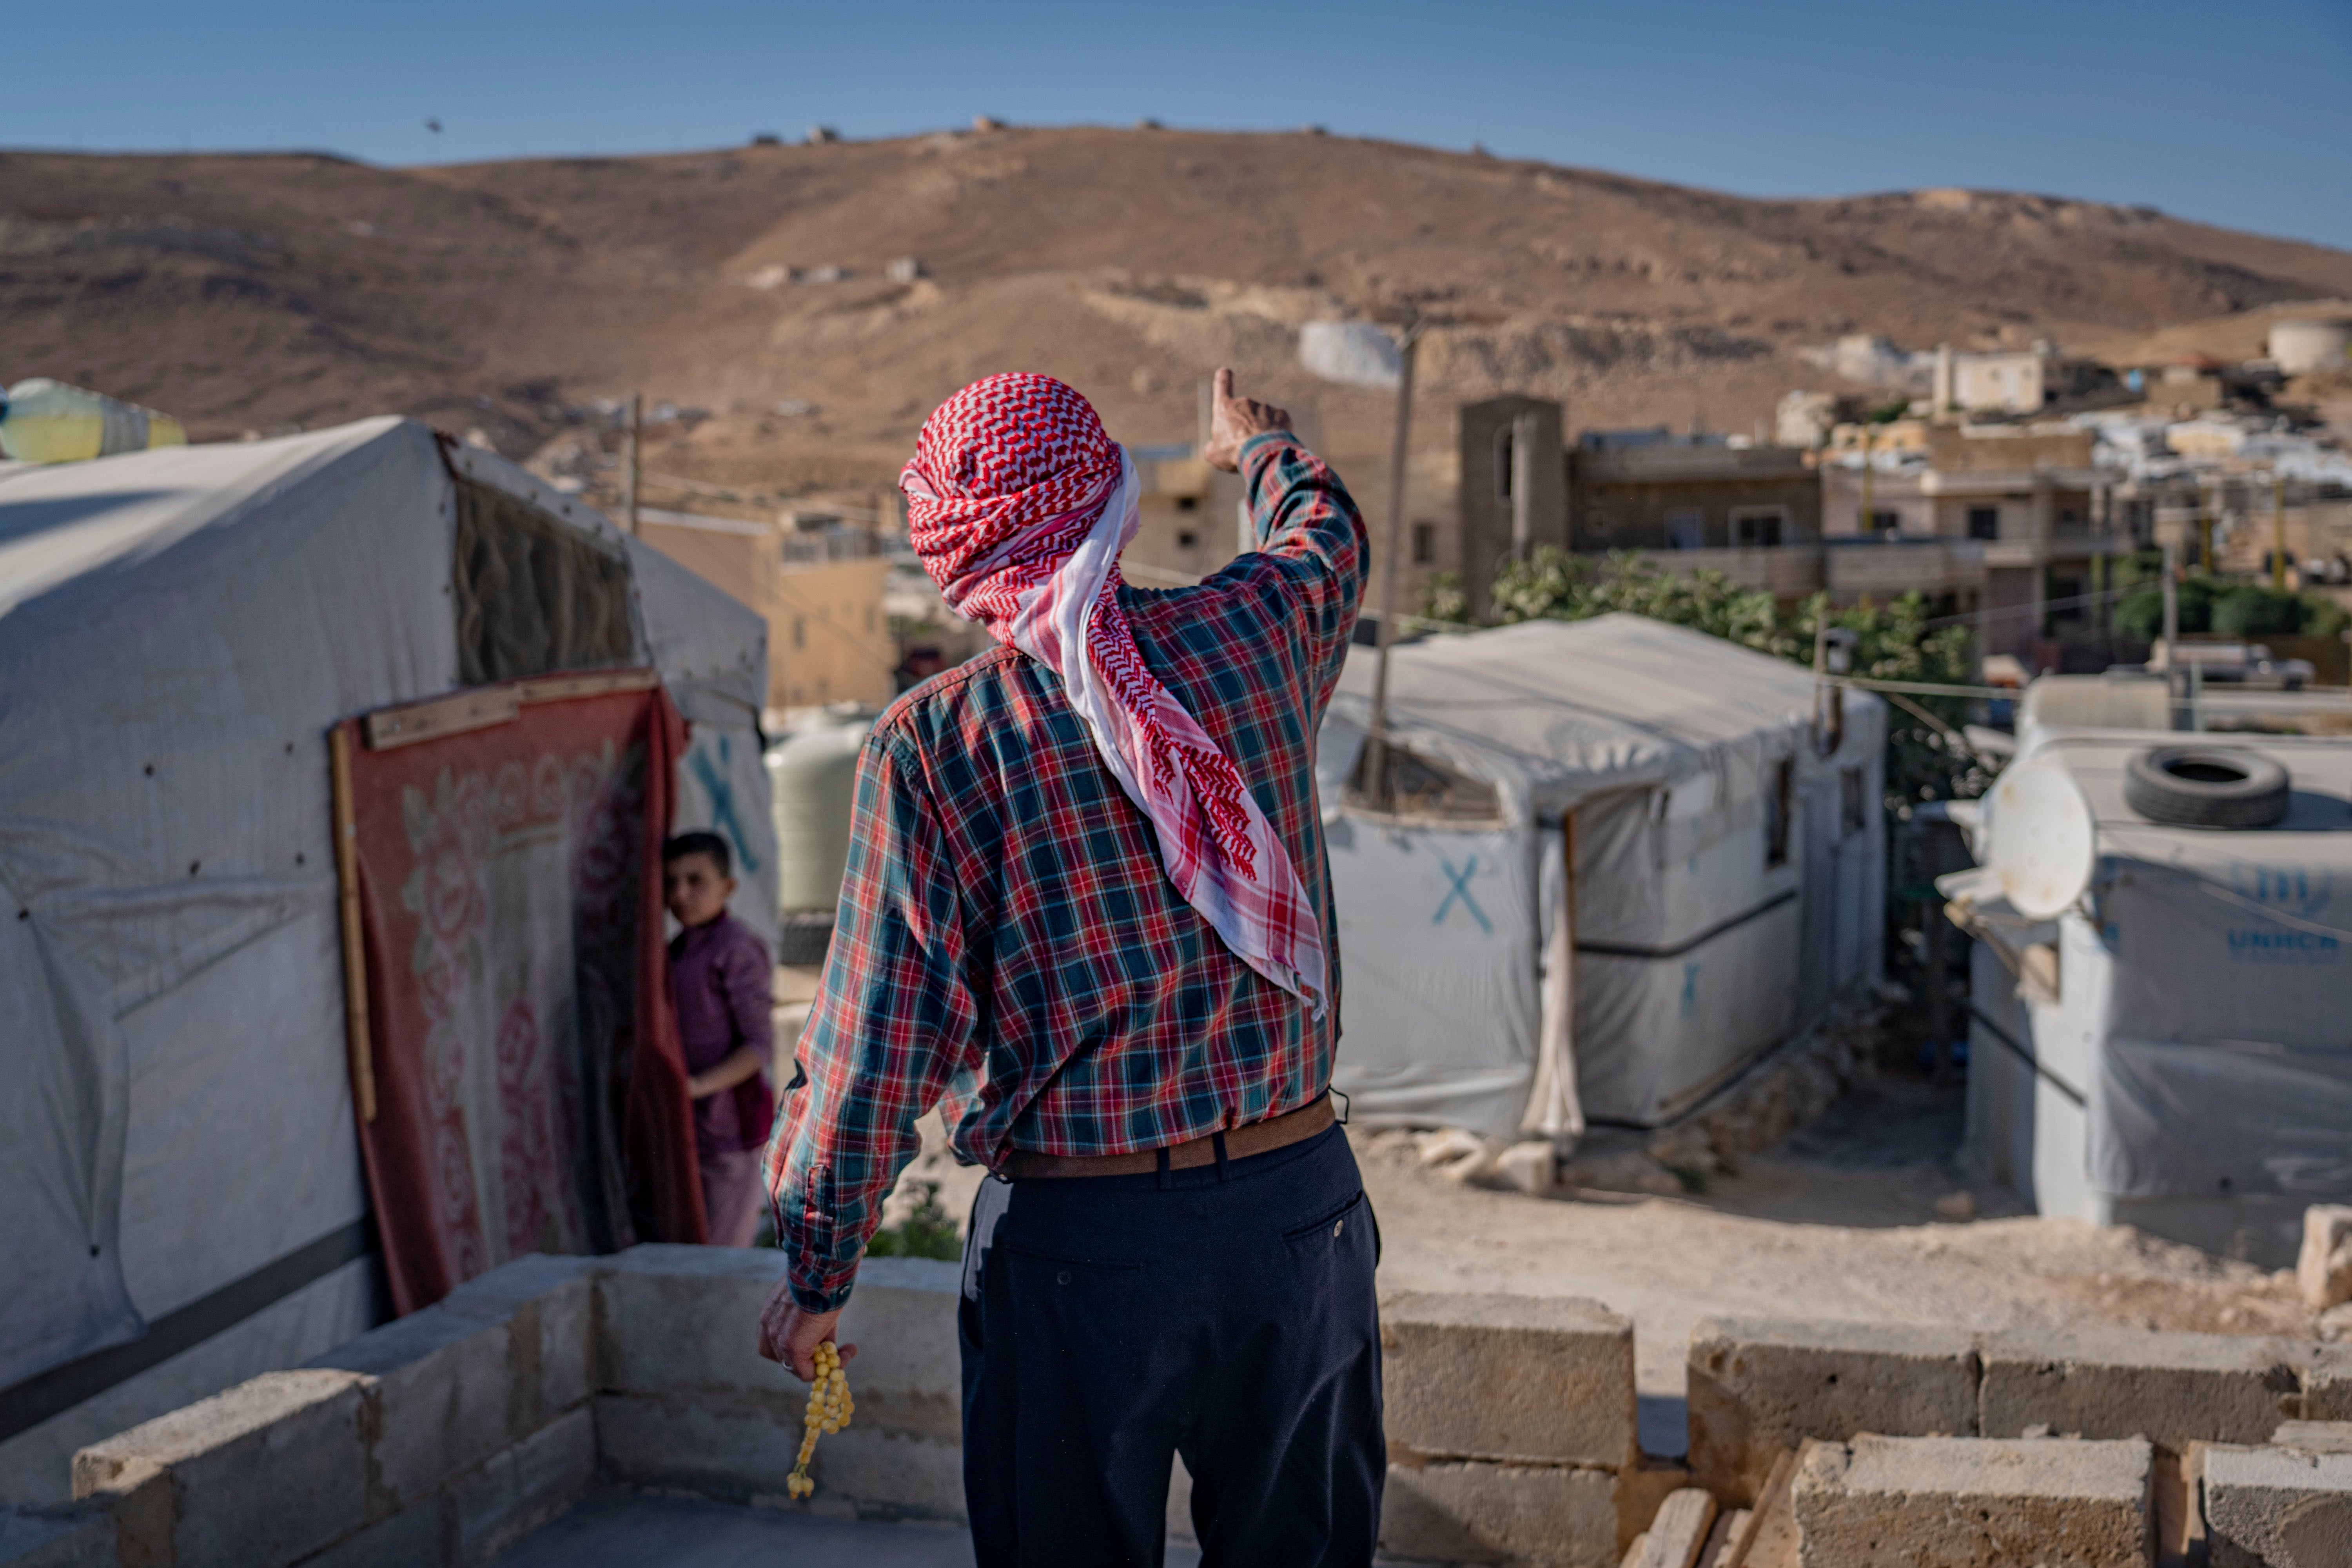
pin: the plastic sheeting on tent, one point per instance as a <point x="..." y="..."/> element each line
<point x="178" y="630"/>
<point x="2192" y="1073"/>
<point x="1728" y="878"/>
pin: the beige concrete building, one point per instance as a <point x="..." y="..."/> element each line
<point x="2009" y="524"/>
<point x="820" y="590"/>
<point x="2016" y="382"/>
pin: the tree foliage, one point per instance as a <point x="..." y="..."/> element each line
<point x="1897" y="641"/>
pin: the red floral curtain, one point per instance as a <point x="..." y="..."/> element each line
<point x="530" y="1089"/>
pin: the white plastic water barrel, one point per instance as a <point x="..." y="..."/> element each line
<point x="812" y="779"/>
<point x="49" y="422"/>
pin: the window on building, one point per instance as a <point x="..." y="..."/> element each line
<point x="800" y="631"/>
<point x="1188" y="503"/>
<point x="1186" y="539"/>
<point x="1505" y="461"/>
<point x="1759" y="525"/>
<point x="1984" y="522"/>
<point x="1425" y="543"/>
<point x="1887" y="522"/>
<point x="1777" y="802"/>
<point x="1685" y="527"/>
<point x="869" y="620"/>
<point x="1850" y="802"/>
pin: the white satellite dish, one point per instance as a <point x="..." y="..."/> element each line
<point x="2044" y="844"/>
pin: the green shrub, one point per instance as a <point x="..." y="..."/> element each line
<point x="2252" y="611"/>
<point x="928" y="1232"/>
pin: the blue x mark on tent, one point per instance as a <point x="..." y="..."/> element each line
<point x="1461" y="889"/>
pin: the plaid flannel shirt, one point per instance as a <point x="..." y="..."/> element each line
<point x="1008" y="939"/>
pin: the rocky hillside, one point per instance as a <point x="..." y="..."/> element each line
<point x="264" y="292"/>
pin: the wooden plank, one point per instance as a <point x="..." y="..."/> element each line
<point x="407" y="723"/>
<point x="1676" y="1536"/>
<point x="595" y="683"/>
<point x="1728" y="1536"/>
<point x="358" y="1047"/>
<point x="1772" y="1537"/>
<point x="411" y="722"/>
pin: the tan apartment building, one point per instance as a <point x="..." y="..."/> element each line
<point x="1753" y="513"/>
<point x="2011" y="524"/>
<point x="820" y="589"/>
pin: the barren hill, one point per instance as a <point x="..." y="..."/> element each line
<point x="266" y="290"/>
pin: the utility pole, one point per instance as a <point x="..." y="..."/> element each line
<point x="636" y="433"/>
<point x="2171" y="634"/>
<point x="1865" y="523"/>
<point x="2206" y="497"/>
<point x="1376" y="741"/>
<point x="2278" y="532"/>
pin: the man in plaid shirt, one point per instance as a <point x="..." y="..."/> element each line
<point x="1089" y="912"/>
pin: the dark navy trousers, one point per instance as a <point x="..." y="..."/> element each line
<point x="1225" y="1313"/>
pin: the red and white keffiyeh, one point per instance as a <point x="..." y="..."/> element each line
<point x="1018" y="504"/>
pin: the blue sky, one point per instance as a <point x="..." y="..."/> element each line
<point x="2237" y="113"/>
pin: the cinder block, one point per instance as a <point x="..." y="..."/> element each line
<point x="523" y="1486"/>
<point x="2285" y="1508"/>
<point x="2323" y="1270"/>
<point x="741" y="1453"/>
<point x="2327" y="1385"/>
<point x="548" y="1303"/>
<point x="2172" y="1389"/>
<point x="1543" y="1516"/>
<point x="259" y="1475"/>
<point x="907" y="1376"/>
<point x="1758" y="1386"/>
<point x="445" y="1397"/>
<point x="2314" y="1436"/>
<point x="418" y="1537"/>
<point x="685" y="1321"/>
<point x="79" y="1536"/>
<point x="1965" y="1502"/>
<point x="679" y="1319"/>
<point x="1521" y="1379"/>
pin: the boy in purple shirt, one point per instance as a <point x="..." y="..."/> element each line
<point x="721" y="987"/>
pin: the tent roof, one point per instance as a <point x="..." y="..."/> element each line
<point x="60" y="522"/>
<point x="1554" y="710"/>
<point x="63" y="520"/>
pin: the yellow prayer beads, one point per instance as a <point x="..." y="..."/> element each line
<point x="829" y="1410"/>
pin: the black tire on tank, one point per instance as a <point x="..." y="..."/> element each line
<point x="2153" y="787"/>
<point x="801" y="939"/>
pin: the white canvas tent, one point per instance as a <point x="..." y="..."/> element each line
<point x="2175" y="1058"/>
<point x="178" y="630"/>
<point x="1628" y="862"/>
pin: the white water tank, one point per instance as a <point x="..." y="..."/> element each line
<point x="2301" y="347"/>
<point x="813" y="780"/>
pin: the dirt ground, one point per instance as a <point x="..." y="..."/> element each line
<point x="1839" y="1221"/>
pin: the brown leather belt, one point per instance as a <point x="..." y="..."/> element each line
<point x="1258" y="1138"/>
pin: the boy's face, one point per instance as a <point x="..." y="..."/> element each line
<point x="694" y="890"/>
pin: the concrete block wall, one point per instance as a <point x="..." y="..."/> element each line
<point x="687" y="1402"/>
<point x="1510" y="1424"/>
<point x="435" y="1439"/>
<point x="1760" y="1386"/>
<point x="1967" y="1502"/>
<point x="1511" y="1421"/>
<point x="2287" y="1504"/>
